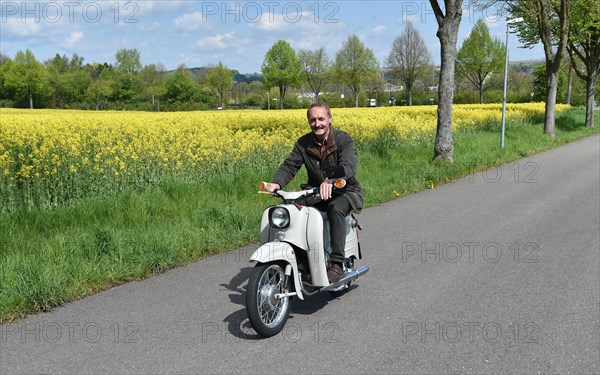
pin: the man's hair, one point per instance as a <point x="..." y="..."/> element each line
<point x="319" y="104"/>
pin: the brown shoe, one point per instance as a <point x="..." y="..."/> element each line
<point x="335" y="272"/>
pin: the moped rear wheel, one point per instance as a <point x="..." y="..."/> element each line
<point x="267" y="313"/>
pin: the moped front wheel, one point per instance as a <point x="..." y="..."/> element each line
<point x="267" y="313"/>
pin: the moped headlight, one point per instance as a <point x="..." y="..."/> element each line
<point x="279" y="217"/>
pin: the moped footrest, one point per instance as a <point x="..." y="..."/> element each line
<point x="346" y="278"/>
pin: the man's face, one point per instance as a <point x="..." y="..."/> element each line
<point x="319" y="121"/>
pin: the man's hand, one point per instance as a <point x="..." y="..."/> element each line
<point x="272" y="187"/>
<point x="325" y="190"/>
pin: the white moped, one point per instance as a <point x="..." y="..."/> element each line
<point x="292" y="259"/>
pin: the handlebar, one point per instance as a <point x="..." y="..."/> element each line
<point x="292" y="195"/>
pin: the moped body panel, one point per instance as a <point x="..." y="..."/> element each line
<point x="308" y="231"/>
<point x="276" y="251"/>
<point x="294" y="234"/>
<point x="351" y="249"/>
<point x="315" y="228"/>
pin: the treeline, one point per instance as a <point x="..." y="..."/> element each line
<point x="289" y="79"/>
<point x="68" y="83"/>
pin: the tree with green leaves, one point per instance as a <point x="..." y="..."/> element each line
<point x="152" y="80"/>
<point x="281" y="68"/>
<point x="354" y="64"/>
<point x="540" y="84"/>
<point x="479" y="57"/>
<point x="448" y="21"/>
<point x="101" y="88"/>
<point x="59" y="64"/>
<point x="126" y="82"/>
<point x="317" y="69"/>
<point x="5" y="64"/>
<point x="128" y="61"/>
<point x="26" y="77"/>
<point x="181" y="86"/>
<point x="220" y="79"/>
<point x="548" y="21"/>
<point x="68" y="81"/>
<point x="584" y="49"/>
<point x="409" y="58"/>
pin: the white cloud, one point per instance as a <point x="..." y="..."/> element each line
<point x="412" y="18"/>
<point x="73" y="39"/>
<point x="191" y="21"/>
<point x="494" y="22"/>
<point x="290" y="21"/>
<point x="145" y="28"/>
<point x="380" y="29"/>
<point x="142" y="8"/>
<point x="15" y="27"/>
<point x="220" y="41"/>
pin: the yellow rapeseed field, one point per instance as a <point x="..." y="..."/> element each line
<point x="51" y="157"/>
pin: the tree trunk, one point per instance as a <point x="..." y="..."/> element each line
<point x="356" y="99"/>
<point x="590" y="86"/>
<point x="409" y="90"/>
<point x="481" y="94"/>
<point x="447" y="34"/>
<point x="30" y="100"/>
<point x="444" y="149"/>
<point x="569" y="85"/>
<point x="589" y="74"/>
<point x="553" y="59"/>
<point x="281" y="96"/>
<point x="552" y="88"/>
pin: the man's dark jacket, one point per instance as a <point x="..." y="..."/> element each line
<point x="339" y="162"/>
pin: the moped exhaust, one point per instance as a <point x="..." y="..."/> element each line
<point x="351" y="276"/>
<point x="346" y="279"/>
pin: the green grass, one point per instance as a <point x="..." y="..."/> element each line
<point x="49" y="257"/>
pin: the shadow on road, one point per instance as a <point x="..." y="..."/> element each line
<point x="238" y="323"/>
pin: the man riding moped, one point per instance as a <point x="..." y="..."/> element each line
<point x="328" y="154"/>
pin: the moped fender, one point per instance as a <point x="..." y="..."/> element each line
<point x="275" y="251"/>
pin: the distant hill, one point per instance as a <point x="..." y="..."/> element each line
<point x="237" y="76"/>
<point x="526" y="66"/>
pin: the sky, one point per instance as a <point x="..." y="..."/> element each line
<point x="237" y="33"/>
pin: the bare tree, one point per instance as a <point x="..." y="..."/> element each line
<point x="409" y="58"/>
<point x="447" y="33"/>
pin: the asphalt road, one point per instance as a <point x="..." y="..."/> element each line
<point x="498" y="272"/>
